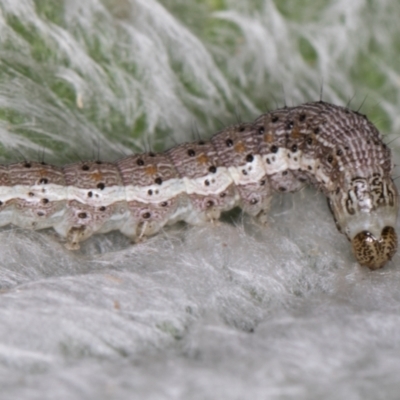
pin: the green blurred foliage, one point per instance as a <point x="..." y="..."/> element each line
<point x="40" y="64"/>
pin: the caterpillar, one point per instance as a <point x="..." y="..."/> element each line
<point x="336" y="150"/>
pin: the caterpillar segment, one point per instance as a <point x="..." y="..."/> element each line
<point x="33" y="195"/>
<point x="95" y="201"/>
<point x="334" y="149"/>
<point x="208" y="184"/>
<point x="155" y="194"/>
<point x="237" y="148"/>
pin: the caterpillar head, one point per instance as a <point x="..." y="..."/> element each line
<point x="366" y="212"/>
<point x="375" y="251"/>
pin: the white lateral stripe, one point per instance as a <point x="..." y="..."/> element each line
<point x="277" y="162"/>
<point x="254" y="172"/>
<point x="164" y="192"/>
<point x="105" y="197"/>
<point x="218" y="182"/>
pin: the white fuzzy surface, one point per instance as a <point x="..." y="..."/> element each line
<point x="233" y="311"/>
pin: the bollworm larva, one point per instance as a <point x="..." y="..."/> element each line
<point x="336" y="150"/>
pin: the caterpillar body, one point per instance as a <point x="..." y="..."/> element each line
<point x="330" y="147"/>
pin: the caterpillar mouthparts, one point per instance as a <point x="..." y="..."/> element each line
<point x="336" y="150"/>
<point x="375" y="252"/>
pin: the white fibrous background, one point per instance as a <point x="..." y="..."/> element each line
<point x="230" y="311"/>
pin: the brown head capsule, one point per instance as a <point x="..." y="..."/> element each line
<point x="374" y="252"/>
